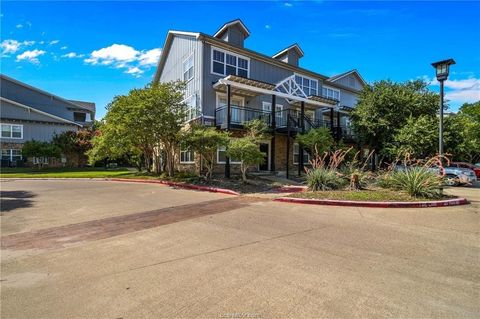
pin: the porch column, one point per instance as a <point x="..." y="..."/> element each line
<point x="288" y="144"/>
<point x="338" y="132"/>
<point x="229" y="98"/>
<point x="331" y="121"/>
<point x="302" y="128"/>
<point x="274" y="125"/>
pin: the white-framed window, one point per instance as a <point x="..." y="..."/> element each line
<point x="267" y="107"/>
<point x="11" y="154"/>
<point x="296" y="153"/>
<point x="14" y="131"/>
<point x="331" y="93"/>
<point x="308" y="85"/>
<point x="192" y="111"/>
<point x="188" y="68"/>
<point x="187" y="156"/>
<point x="227" y="63"/>
<point x="221" y="157"/>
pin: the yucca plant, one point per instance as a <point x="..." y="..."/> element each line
<point x="324" y="179"/>
<point x="417" y="182"/>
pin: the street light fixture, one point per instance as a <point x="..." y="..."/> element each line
<point x="441" y="70"/>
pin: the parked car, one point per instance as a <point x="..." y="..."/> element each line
<point x="474" y="168"/>
<point x="454" y="176"/>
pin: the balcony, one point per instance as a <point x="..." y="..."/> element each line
<point x="288" y="120"/>
<point x="239" y="116"/>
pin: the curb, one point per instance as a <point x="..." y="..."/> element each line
<point x="331" y="202"/>
<point x="179" y="185"/>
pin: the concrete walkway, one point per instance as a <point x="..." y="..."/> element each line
<point x="219" y="256"/>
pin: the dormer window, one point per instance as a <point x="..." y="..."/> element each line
<point x="227" y="63"/>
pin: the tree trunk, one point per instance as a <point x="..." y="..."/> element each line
<point x="244" y="173"/>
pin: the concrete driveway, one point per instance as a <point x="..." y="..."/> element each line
<point x="95" y="249"/>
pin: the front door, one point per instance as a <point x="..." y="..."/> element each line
<point x="264" y="150"/>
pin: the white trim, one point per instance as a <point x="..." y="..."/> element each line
<point x="220" y="94"/>
<point x="218" y="156"/>
<point x="308" y="78"/>
<point x="38" y="111"/>
<point x="270" y="92"/>
<point x="333" y="89"/>
<point x="293" y="46"/>
<point x="339" y="76"/>
<point x="191" y="55"/>
<point x="278" y="105"/>
<point x="193" y="34"/>
<point x="11" y="131"/>
<point x="226" y="25"/>
<point x="186" y="162"/>
<point x="225" y="52"/>
<point x="304" y="153"/>
<point x="10" y="153"/>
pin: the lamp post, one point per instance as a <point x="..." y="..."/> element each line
<point x="441" y="72"/>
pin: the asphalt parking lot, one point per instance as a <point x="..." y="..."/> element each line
<point x="98" y="249"/>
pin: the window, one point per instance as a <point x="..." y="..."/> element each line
<point x="12" y="131"/>
<point x="188" y="68"/>
<point x="225" y="63"/>
<point x="306" y="156"/>
<point x="308" y="85"/>
<point x="191" y="102"/>
<point x="331" y="93"/>
<point x="187" y="156"/>
<point x="221" y="157"/>
<point x="79" y="116"/>
<point x="11" y="155"/>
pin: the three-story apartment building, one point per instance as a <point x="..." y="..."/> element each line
<point x="228" y="84"/>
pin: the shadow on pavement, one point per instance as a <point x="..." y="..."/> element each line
<point x="11" y="200"/>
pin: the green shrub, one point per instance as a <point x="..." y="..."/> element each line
<point x="324" y="179"/>
<point x="384" y="180"/>
<point x="417" y="182"/>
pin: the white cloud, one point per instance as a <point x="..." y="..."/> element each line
<point x="64" y="47"/>
<point x="116" y="53"/>
<point x="459" y="91"/>
<point x="134" y="70"/>
<point x="12" y="46"/>
<point x="19" y="26"/>
<point x="31" y="56"/>
<point x="71" y="55"/>
<point x="54" y="42"/>
<point x="150" y="57"/>
<point x="288" y="4"/>
<point x="121" y="56"/>
<point x="267" y="26"/>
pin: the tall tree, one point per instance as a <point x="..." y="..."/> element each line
<point x="142" y="121"/>
<point x="384" y="107"/>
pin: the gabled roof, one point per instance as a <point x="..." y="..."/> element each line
<point x="344" y="74"/>
<point x="294" y="46"/>
<point x="43" y="92"/>
<point x="39" y="112"/>
<point x="236" y="22"/>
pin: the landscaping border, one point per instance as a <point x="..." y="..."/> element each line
<point x="333" y="202"/>
<point x="177" y="184"/>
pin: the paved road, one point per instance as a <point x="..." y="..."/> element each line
<point x="92" y="249"/>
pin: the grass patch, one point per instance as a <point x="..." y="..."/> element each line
<point x="61" y="172"/>
<point x="372" y="195"/>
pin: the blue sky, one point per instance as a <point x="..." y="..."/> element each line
<point x="95" y="50"/>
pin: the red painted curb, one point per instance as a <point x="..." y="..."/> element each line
<point x="331" y="202"/>
<point x="179" y="185"/>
